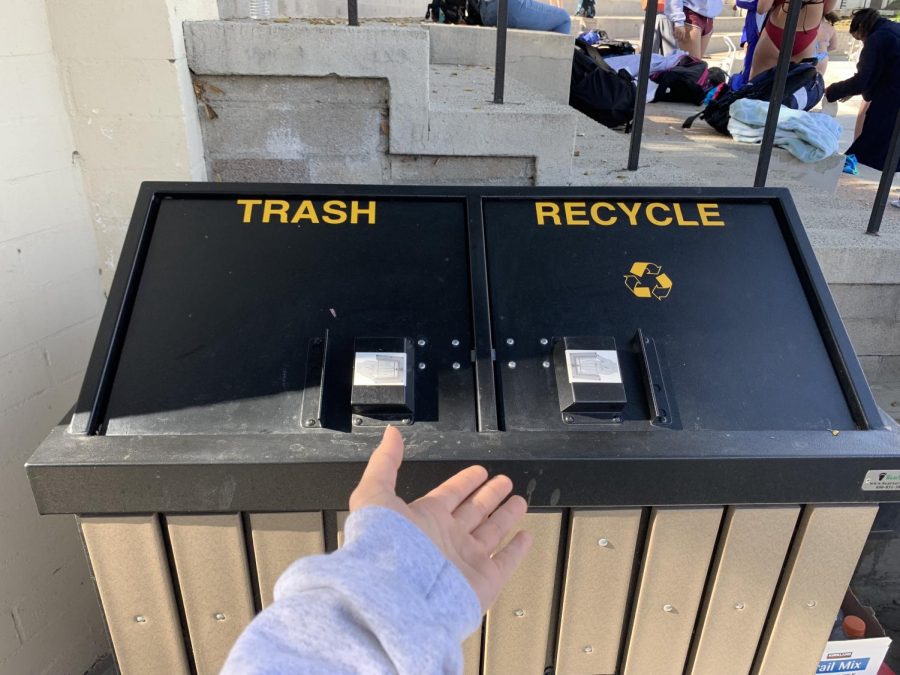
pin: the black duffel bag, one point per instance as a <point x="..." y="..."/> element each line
<point x="601" y="93"/>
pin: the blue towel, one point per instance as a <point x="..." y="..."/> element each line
<point x="810" y="137"/>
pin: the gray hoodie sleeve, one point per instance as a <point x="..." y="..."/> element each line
<point x="387" y="602"/>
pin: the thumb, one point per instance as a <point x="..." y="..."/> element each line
<point x="380" y="475"/>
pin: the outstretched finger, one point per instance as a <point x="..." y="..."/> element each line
<point x="381" y="471"/>
<point x="491" y="532"/>
<point x="482" y="503"/>
<point x="453" y="491"/>
<point x="511" y="556"/>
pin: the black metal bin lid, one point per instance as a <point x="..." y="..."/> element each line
<point x="222" y="372"/>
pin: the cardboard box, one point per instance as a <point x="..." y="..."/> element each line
<point x="859" y="657"/>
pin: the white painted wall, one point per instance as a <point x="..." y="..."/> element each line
<point x="50" y="300"/>
<point x="131" y="101"/>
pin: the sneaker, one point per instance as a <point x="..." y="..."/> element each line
<point x="895" y="203"/>
<point x="830" y="108"/>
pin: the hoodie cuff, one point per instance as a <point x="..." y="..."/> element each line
<point x="400" y="550"/>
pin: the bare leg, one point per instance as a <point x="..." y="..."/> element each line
<point x="704" y="43"/>
<point x="691" y="42"/>
<point x="860" y="119"/>
<point x="765" y="56"/>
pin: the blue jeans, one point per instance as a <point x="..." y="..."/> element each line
<point x="528" y="14"/>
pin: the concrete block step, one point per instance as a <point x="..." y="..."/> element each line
<point x="630" y="27"/>
<point x="881" y="368"/>
<point x="540" y="60"/>
<point x="866" y="301"/>
<point x="462" y="115"/>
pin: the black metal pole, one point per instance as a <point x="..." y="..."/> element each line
<point x="500" y="64"/>
<point x="887" y="177"/>
<point x="781" y="71"/>
<point x="640" y="103"/>
<point x="352" y="12"/>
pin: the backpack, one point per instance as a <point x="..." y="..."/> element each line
<point x="601" y="93"/>
<point x="802" y="90"/>
<point x="598" y="45"/>
<point x="686" y="82"/>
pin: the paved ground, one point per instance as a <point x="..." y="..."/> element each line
<point x="671" y="155"/>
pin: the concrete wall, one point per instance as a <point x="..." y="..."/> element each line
<point x="131" y="102"/>
<point x="323" y="130"/>
<point x="432" y="112"/>
<point x="50" y="300"/>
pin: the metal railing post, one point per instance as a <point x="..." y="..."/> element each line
<point x="640" y="102"/>
<point x="781" y="71"/>
<point x="887" y="177"/>
<point x="500" y="62"/>
<point x="353" y="12"/>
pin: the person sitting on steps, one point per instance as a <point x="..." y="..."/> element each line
<point x="528" y="14"/>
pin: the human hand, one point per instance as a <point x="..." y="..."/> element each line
<point x="463" y="516"/>
<point x="680" y="32"/>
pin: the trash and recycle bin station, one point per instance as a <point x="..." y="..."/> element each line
<point x="662" y="373"/>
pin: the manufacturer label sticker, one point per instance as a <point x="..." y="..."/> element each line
<point x="379" y="369"/>
<point x="882" y="479"/>
<point x="593" y="366"/>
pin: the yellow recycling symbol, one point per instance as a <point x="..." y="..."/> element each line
<point x="647" y="280"/>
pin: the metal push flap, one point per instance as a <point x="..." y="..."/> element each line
<point x="588" y="380"/>
<point x="383" y="389"/>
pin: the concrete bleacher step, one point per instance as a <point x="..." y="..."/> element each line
<point x="627" y="8"/>
<point x="540" y="60"/>
<point x="626" y="27"/>
<point x="527" y="125"/>
<point x="718" y="47"/>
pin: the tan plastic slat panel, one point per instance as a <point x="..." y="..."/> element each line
<point x="472" y="654"/>
<point x="825" y="552"/>
<point x="132" y="573"/>
<point x="752" y="550"/>
<point x="278" y="540"/>
<point x="597" y="584"/>
<point x="211" y="565"/>
<point x="518" y="625"/>
<point x="679" y="548"/>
